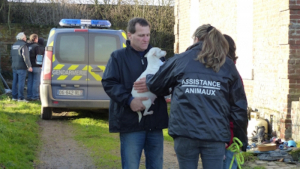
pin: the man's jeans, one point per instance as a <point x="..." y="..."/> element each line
<point x="33" y="83"/>
<point x="19" y="77"/>
<point x="188" y="150"/>
<point x="132" y="145"/>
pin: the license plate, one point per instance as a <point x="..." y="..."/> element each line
<point x="70" y="92"/>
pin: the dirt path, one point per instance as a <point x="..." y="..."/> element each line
<point x="61" y="151"/>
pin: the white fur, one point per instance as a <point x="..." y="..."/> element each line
<point x="154" y="62"/>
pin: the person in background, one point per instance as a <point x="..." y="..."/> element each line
<point x="207" y="93"/>
<point x="231" y="54"/>
<point x="123" y="68"/>
<point x="41" y="44"/>
<point x="20" y="64"/>
<point x="33" y="80"/>
<point x="232" y="48"/>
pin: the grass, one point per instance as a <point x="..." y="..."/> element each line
<point x="20" y="138"/>
<point x="249" y="157"/>
<point x="261" y="167"/>
<point x="19" y="133"/>
<point x="93" y="133"/>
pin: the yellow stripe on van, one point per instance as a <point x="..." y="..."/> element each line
<point x="95" y="75"/>
<point x="76" y="77"/>
<point x="51" y="44"/>
<point x="73" y="67"/>
<point x="124" y="46"/>
<point x="58" y="66"/>
<point x="85" y="67"/>
<point x="51" y="33"/>
<point x="53" y="58"/>
<point x="124" y="35"/>
<point x="62" y="77"/>
<point x="102" y="68"/>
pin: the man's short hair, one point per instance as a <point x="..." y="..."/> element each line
<point x="134" y="21"/>
<point x="20" y="36"/>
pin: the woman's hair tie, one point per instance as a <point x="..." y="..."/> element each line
<point x="209" y="28"/>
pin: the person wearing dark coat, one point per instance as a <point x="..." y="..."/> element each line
<point x="20" y="65"/>
<point x="123" y="68"/>
<point x="41" y="44"/>
<point x="33" y="81"/>
<point x="207" y="94"/>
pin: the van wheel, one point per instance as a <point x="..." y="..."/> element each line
<point x="46" y="113"/>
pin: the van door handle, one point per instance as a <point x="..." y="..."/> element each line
<point x="97" y="70"/>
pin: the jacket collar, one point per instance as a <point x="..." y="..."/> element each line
<point x="130" y="47"/>
<point x="197" y="46"/>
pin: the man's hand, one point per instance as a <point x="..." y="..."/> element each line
<point x="137" y="104"/>
<point x="30" y="69"/>
<point x="140" y="86"/>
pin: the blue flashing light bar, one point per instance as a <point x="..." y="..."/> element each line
<point x="85" y="22"/>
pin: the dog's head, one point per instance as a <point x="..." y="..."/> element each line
<point x="156" y="52"/>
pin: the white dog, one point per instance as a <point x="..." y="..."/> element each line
<point x="154" y="62"/>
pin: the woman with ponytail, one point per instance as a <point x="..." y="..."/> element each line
<point x="207" y="93"/>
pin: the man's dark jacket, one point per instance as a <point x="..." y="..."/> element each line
<point x="203" y="101"/>
<point x="123" y="68"/>
<point x="34" y="49"/>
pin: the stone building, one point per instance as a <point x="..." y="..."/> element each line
<point x="267" y="36"/>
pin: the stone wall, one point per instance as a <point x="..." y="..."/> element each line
<point x="211" y="12"/>
<point x="293" y="68"/>
<point x="270" y="61"/>
<point x="275" y="82"/>
<point x="295" y="118"/>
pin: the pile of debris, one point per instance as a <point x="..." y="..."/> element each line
<point x="265" y="144"/>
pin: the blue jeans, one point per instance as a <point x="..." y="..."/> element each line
<point x="33" y="83"/>
<point x="229" y="155"/>
<point x="188" y="150"/>
<point x="19" y="77"/>
<point x="132" y="145"/>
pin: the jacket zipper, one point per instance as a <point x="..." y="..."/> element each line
<point x="142" y="61"/>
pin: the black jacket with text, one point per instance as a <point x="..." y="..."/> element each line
<point x="123" y="68"/>
<point x="203" y="101"/>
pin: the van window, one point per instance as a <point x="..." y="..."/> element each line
<point x="71" y="47"/>
<point x="101" y="46"/>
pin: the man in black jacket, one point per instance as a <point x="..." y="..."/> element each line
<point x="123" y="68"/>
<point x="20" y="64"/>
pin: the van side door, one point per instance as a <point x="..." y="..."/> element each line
<point x="69" y="72"/>
<point x="101" y="44"/>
